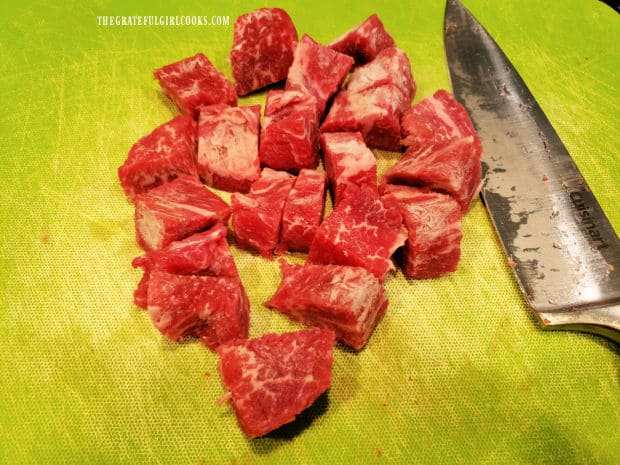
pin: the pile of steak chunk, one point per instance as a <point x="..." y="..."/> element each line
<point x="326" y="108"/>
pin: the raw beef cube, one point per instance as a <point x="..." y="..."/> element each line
<point x="348" y="161"/>
<point x="271" y="379"/>
<point x="263" y="47"/>
<point x="160" y="156"/>
<point x="349" y="300"/>
<point x="227" y="156"/>
<point x="435" y="119"/>
<point x="303" y="211"/>
<point x="433" y="222"/>
<point x="391" y="66"/>
<point x="361" y="231"/>
<point x="205" y="253"/>
<point x="215" y="309"/>
<point x="175" y="210"/>
<point x="257" y="216"/>
<point x="373" y="112"/>
<point x="376" y="96"/>
<point x="452" y="167"/>
<point x="193" y="82"/>
<point x="364" y="41"/>
<point x="318" y="69"/>
<point x="290" y="138"/>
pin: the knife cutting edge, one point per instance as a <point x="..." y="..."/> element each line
<point x="562" y="248"/>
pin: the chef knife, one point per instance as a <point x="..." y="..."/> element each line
<point x="560" y="245"/>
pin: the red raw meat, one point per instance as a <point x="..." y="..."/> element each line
<point x="227" y="156"/>
<point x="290" y="137"/>
<point x="433" y="221"/>
<point x="303" y="211"/>
<point x="374" y="113"/>
<point x="390" y="67"/>
<point x="175" y="210"/>
<point x="361" y="231"/>
<point x="215" y="309"/>
<point x="263" y="47"/>
<point x="364" y="41"/>
<point x="348" y="161"/>
<point x="349" y="300"/>
<point x="257" y="216"/>
<point x="452" y="167"/>
<point x="193" y="82"/>
<point x="273" y="378"/>
<point x="205" y="253"/>
<point x="376" y="96"/>
<point x="160" y="156"/>
<point x="318" y="69"/>
<point x="438" y="118"/>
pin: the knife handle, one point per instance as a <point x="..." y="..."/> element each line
<point x="604" y="321"/>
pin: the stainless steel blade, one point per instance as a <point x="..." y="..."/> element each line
<point x="562" y="248"/>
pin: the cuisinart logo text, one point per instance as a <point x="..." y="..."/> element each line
<point x="587" y="221"/>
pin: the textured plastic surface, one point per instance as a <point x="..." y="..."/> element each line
<point x="457" y="371"/>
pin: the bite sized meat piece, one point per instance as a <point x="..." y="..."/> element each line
<point x="364" y="41"/>
<point x="362" y="230"/>
<point x="303" y="211"/>
<point x="433" y="222"/>
<point x="348" y="300"/>
<point x="214" y="309"/>
<point x="193" y="82"/>
<point x="227" y="155"/>
<point x="318" y="69"/>
<point x="263" y="47"/>
<point x="290" y="137"/>
<point x="205" y="253"/>
<point x="348" y="161"/>
<point x="452" y="167"/>
<point x="175" y="210"/>
<point x="160" y="156"/>
<point x="390" y="67"/>
<point x="374" y="113"/>
<point x="376" y="96"/>
<point x="271" y="379"/>
<point x="436" y="119"/>
<point x="257" y="216"/>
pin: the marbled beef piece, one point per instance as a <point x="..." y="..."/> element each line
<point x="373" y="112"/>
<point x="362" y="230"/>
<point x="364" y="41"/>
<point x="452" y="167"/>
<point x="257" y="216"/>
<point x="271" y="379"/>
<point x="160" y="156"/>
<point x="349" y="300"/>
<point x="214" y="309"/>
<point x="348" y="161"/>
<point x="374" y="100"/>
<point x="263" y="47"/>
<point x="438" y="118"/>
<point x="290" y="136"/>
<point x="176" y="210"/>
<point x="227" y="156"/>
<point x="205" y="253"/>
<point x="433" y="222"/>
<point x="318" y="69"/>
<point x="390" y="67"/>
<point x="303" y="211"/>
<point x="193" y="82"/>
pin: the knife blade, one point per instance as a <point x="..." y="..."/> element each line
<point x="562" y="249"/>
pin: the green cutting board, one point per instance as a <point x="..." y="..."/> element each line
<point x="457" y="371"/>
